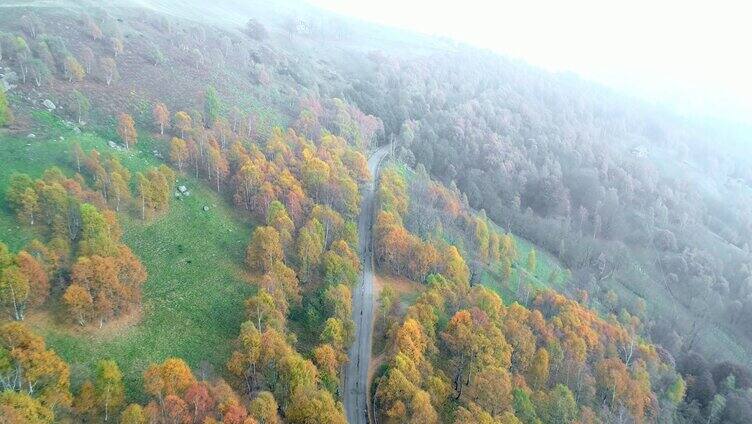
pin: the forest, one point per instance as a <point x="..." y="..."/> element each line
<point x="182" y="203"/>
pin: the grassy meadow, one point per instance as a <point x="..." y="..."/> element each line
<point x="193" y="298"/>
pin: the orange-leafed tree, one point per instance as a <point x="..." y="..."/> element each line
<point x="30" y="368"/>
<point x="170" y="378"/>
<point x="39" y="285"/>
<point x="176" y="410"/>
<point x="85" y="402"/>
<point x="200" y="401"/>
<point x="161" y="116"/>
<point x="245" y="360"/>
<point x="127" y="130"/>
<point x="79" y="303"/>
<point x="218" y="165"/>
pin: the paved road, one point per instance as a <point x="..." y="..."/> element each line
<point x="355" y="394"/>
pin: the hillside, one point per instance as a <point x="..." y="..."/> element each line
<point x="188" y="231"/>
<point x="192" y="258"/>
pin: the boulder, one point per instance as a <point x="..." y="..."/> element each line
<point x="182" y="188"/>
<point x="48" y="104"/>
<point x="206" y="208"/>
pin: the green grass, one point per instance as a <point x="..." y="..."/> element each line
<point x="492" y="275"/>
<point x="193" y="298"/>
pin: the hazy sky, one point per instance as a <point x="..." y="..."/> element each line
<point x="693" y="55"/>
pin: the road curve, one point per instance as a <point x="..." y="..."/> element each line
<point x="355" y="395"/>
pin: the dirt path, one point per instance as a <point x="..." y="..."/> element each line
<point x="355" y="395"/>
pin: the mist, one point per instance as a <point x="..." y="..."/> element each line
<point x="687" y="56"/>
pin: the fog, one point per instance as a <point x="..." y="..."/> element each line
<point x="686" y="55"/>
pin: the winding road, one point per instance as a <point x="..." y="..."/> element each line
<point x="355" y="395"/>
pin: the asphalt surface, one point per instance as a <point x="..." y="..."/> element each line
<point x="356" y="393"/>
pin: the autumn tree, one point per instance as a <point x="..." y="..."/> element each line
<point x="245" y="361"/>
<point x="79" y="302"/>
<point x="218" y="165"/>
<point x="455" y="267"/>
<point x="96" y="233"/>
<point x="133" y="414"/>
<point x="277" y="217"/>
<point x="170" y="378"/>
<point x="74" y="70"/>
<point x="119" y="179"/>
<point x="103" y="287"/>
<point x="539" y="369"/>
<point x="264" y="249"/>
<point x="183" y="122"/>
<point x="262" y="310"/>
<point x="108" y="67"/>
<point x="29" y="368"/>
<point x="175" y="409"/>
<point x="264" y="409"/>
<point x="161" y="116"/>
<point x="494" y="247"/>
<point x="178" y="152"/>
<point x="14" y="291"/>
<point x="36" y="278"/>
<point x="310" y="405"/>
<point x="108" y="386"/>
<point x="127" y="129"/>
<point x="491" y="388"/>
<point x="88" y="58"/>
<point x="310" y="247"/>
<point x="20" y="407"/>
<point x="85" y="403"/>
<point x="155" y="189"/>
<point x="199" y="400"/>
